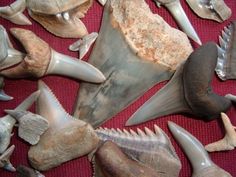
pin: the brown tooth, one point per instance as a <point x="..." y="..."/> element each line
<point x="110" y="161"/>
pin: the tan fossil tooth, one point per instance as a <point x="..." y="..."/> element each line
<point x="5" y="159"/>
<point x="211" y="9"/>
<point x="7" y="122"/>
<point x="61" y="17"/>
<point x="23" y="171"/>
<point x="202" y="165"/>
<point x="175" y="8"/>
<point x="14" y="13"/>
<point x="229" y="140"/>
<point x="145" y="52"/>
<point x="67" y="138"/>
<point x="189" y="91"/>
<point x="42" y="60"/>
<point x="153" y="149"/>
<point x="84" y="44"/>
<point x="3" y="95"/>
<point x="110" y="161"/>
<point x="31" y="126"/>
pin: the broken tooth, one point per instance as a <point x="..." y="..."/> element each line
<point x="5" y="159"/>
<point x="14" y="13"/>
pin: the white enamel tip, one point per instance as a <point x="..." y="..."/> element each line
<point x="102" y="2"/>
<point x="4" y="96"/>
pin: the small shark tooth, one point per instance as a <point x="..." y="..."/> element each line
<point x="14" y="13"/>
<point x="188" y="91"/>
<point x="42" y="60"/>
<point x="229" y="140"/>
<point x="153" y="149"/>
<point x="226" y="63"/>
<point x="181" y="18"/>
<point x="197" y="155"/>
<point x="110" y="161"/>
<point x="31" y="126"/>
<point x="5" y="159"/>
<point x="3" y="95"/>
<point x="102" y="2"/>
<point x="211" y="9"/>
<point x="23" y="171"/>
<point x="67" y="138"/>
<point x="7" y="122"/>
<point x="83" y="45"/>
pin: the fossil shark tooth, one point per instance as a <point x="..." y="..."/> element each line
<point x="83" y="45"/>
<point x="102" y="2"/>
<point x="23" y="171"/>
<point x="175" y="8"/>
<point x="61" y="17"/>
<point x="3" y="95"/>
<point x="189" y="91"/>
<point x="211" y="9"/>
<point x="7" y="122"/>
<point x="229" y="140"/>
<point x="31" y="126"/>
<point x="226" y="62"/>
<point x="153" y="149"/>
<point x="202" y="164"/>
<point x="110" y="161"/>
<point x="14" y="13"/>
<point x="67" y="138"/>
<point x="42" y="60"/>
<point x="144" y="53"/>
<point x="5" y="159"/>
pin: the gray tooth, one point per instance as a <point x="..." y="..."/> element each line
<point x="223" y="43"/>
<point x="4" y="96"/>
<point x="226" y="37"/>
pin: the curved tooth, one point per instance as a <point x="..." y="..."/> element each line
<point x="194" y="150"/>
<point x="5" y="159"/>
<point x="4" y="96"/>
<point x="14" y="13"/>
<point x="178" y="13"/>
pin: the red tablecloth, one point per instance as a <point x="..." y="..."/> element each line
<point x="66" y="90"/>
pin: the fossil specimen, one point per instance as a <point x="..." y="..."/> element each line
<point x="42" y="60"/>
<point x="23" y="171"/>
<point x="7" y="122"/>
<point x="31" y="126"/>
<point x="229" y="140"/>
<point x="3" y="95"/>
<point x="210" y="9"/>
<point x="84" y="44"/>
<point x="61" y="17"/>
<point x="175" y="8"/>
<point x="14" y="13"/>
<point x="197" y="155"/>
<point x="103" y="2"/>
<point x="226" y="63"/>
<point x="189" y="91"/>
<point x="67" y="138"/>
<point x="153" y="149"/>
<point x="110" y="161"/>
<point x="5" y="159"/>
<point x="145" y="52"/>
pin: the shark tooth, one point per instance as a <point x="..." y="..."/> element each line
<point x="229" y="140"/>
<point x="31" y="126"/>
<point x="3" y="95"/>
<point x="69" y="138"/>
<point x="102" y="2"/>
<point x="62" y="18"/>
<point x="83" y="45"/>
<point x="5" y="159"/>
<point x="42" y="60"/>
<point x="188" y="91"/>
<point x="226" y="63"/>
<point x="110" y="161"/>
<point x="23" y="171"/>
<point x="7" y="122"/>
<point x="211" y="9"/>
<point x="153" y="149"/>
<point x="144" y="53"/>
<point x="175" y="8"/>
<point x="14" y="13"/>
<point x="197" y="155"/>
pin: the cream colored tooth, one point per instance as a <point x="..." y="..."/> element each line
<point x="149" y="132"/>
<point x="126" y="132"/>
<point x="133" y="133"/>
<point x="83" y="45"/>
<point x="141" y="133"/>
<point x="103" y="2"/>
<point x="14" y="13"/>
<point x="5" y="159"/>
<point x="229" y="140"/>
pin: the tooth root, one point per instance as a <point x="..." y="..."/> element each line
<point x="4" y="96"/>
<point x="223" y="43"/>
<point x="178" y="13"/>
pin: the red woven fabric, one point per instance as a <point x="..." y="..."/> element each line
<point x="66" y="90"/>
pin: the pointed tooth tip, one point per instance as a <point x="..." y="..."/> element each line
<point x="4" y="96"/>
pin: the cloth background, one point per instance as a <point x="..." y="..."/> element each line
<point x="66" y="91"/>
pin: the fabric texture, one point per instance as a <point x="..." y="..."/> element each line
<point x="66" y="91"/>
